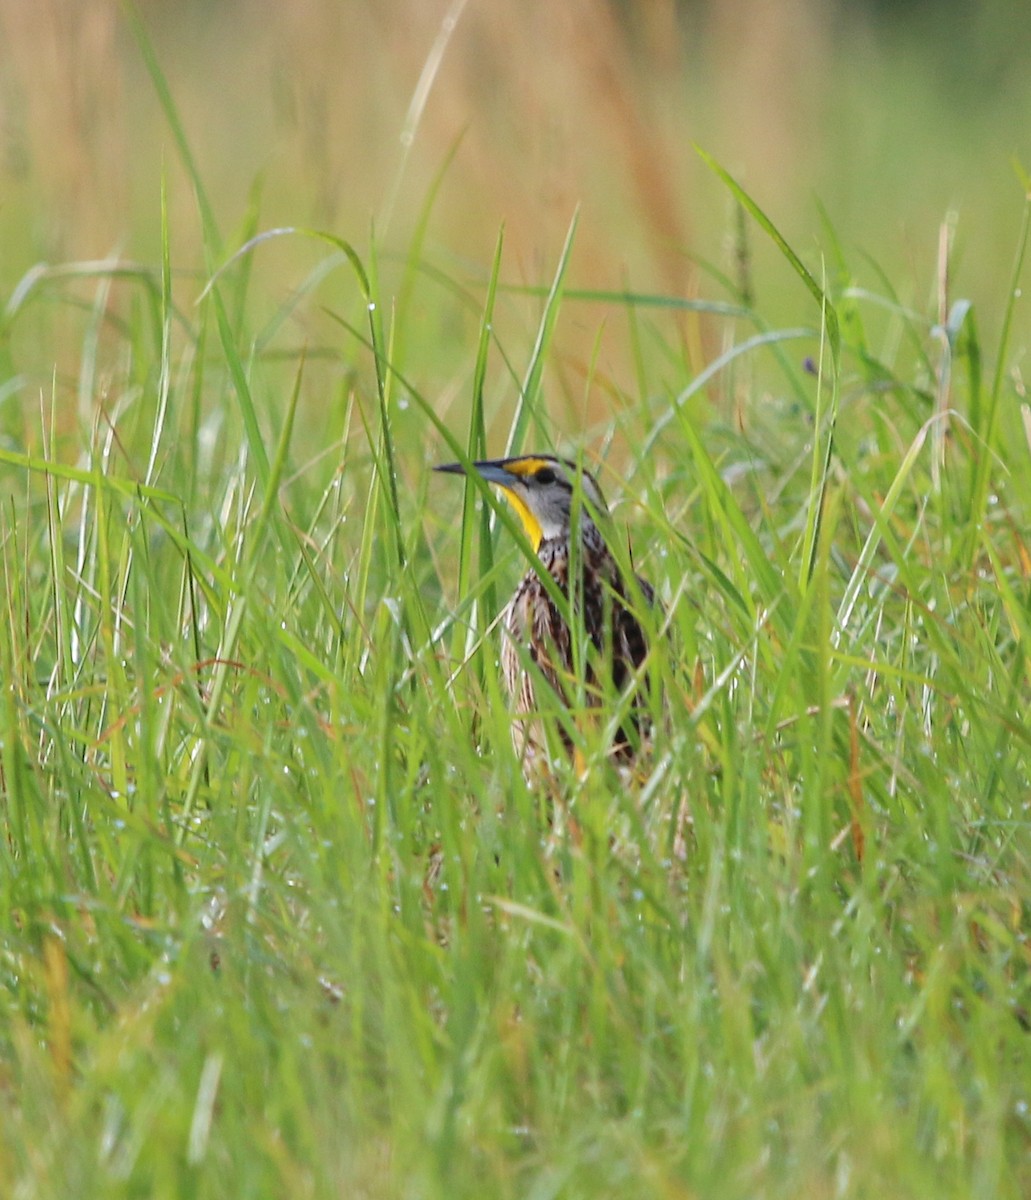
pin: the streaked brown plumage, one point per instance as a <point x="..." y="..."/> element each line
<point x="537" y="643"/>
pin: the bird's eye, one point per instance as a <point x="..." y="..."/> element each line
<point x="545" y="476"/>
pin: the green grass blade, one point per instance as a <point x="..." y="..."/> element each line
<point x="526" y="408"/>
<point x="828" y="312"/>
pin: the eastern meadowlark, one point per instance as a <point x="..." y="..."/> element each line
<point x="537" y="642"/>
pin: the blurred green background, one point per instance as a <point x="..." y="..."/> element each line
<point x="894" y="118"/>
<point x="256" y="772"/>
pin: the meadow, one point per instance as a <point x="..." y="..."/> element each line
<point x="279" y="914"/>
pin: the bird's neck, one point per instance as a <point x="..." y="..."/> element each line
<point x="590" y="536"/>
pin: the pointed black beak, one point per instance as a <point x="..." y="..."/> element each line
<point x="492" y="472"/>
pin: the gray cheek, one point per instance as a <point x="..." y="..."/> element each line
<point x="559" y="518"/>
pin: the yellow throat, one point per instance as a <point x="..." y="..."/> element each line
<point x="530" y="522"/>
<point x="524" y="467"/>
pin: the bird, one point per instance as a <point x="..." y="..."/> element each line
<point x="537" y="644"/>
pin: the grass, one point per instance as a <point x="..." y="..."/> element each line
<point x="278" y="914"/>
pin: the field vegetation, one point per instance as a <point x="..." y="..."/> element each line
<point x="278" y="913"/>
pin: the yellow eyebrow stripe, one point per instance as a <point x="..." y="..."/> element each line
<point x="527" y="466"/>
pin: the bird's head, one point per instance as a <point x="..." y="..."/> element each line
<point x="540" y="488"/>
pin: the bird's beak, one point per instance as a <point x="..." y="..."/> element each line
<point x="495" y="472"/>
<point x="492" y="472"/>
